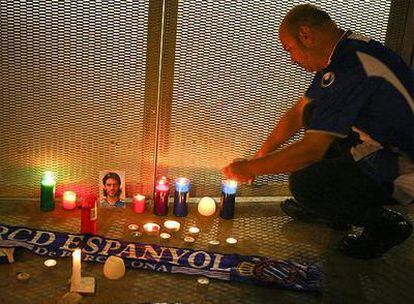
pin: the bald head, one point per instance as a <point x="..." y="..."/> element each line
<point x="310" y="36"/>
<point x="305" y="15"/>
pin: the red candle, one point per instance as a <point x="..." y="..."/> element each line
<point x="138" y="203"/>
<point x="69" y="200"/>
<point x="89" y="214"/>
<point x="162" y="190"/>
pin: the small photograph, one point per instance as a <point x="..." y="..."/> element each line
<point x="112" y="189"/>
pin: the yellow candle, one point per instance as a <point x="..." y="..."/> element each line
<point x="76" y="270"/>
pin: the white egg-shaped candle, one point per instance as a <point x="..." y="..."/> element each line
<point x="114" y="268"/>
<point x="206" y="206"/>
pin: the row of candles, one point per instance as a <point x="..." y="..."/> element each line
<point x="171" y="226"/>
<point x="161" y="196"/>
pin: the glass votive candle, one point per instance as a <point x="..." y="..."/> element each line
<point x="228" y="198"/>
<point x="138" y="203"/>
<point x="152" y="229"/>
<point x="47" y="191"/>
<point x="69" y="200"/>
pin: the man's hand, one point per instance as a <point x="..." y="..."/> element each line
<point x="239" y="171"/>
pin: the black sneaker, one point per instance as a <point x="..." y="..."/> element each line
<point x="390" y="230"/>
<point x="296" y="211"/>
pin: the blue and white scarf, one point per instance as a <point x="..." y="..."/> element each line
<point x="228" y="267"/>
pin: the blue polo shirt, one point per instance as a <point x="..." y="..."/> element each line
<point x="368" y="87"/>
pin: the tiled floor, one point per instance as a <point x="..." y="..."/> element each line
<point x="260" y="228"/>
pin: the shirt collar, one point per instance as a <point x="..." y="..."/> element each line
<point x="334" y="50"/>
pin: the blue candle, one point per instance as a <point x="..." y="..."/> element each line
<point x="181" y="197"/>
<point x="228" y="198"/>
<point x="47" y="191"/>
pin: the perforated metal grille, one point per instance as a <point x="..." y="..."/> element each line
<point x="72" y="92"/>
<point x="233" y="81"/>
<point x="72" y="89"/>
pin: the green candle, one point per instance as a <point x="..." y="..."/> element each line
<point x="47" y="191"/>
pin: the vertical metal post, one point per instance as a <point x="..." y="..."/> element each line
<point x="162" y="25"/>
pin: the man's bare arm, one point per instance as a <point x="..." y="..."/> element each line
<point x="288" y="125"/>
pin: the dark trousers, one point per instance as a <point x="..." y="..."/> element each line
<point x="337" y="189"/>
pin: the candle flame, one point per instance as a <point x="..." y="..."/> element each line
<point x="48" y="178"/>
<point x="139" y="197"/>
<point x="151" y="227"/>
<point x="162" y="180"/>
<point x="170" y="224"/>
<point x="183" y="181"/>
<point x="77" y="254"/>
<point x="69" y="196"/>
<point x="232" y="183"/>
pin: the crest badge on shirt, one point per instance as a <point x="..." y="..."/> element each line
<point x="327" y="79"/>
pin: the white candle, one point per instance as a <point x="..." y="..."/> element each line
<point x="206" y="206"/>
<point x="76" y="269"/>
<point x="214" y="242"/>
<point x="133" y="227"/>
<point x="231" y="241"/>
<point x="50" y="263"/>
<point x="165" y="236"/>
<point x="152" y="228"/>
<point x="189" y="239"/>
<point x="172" y="226"/>
<point x="194" y="230"/>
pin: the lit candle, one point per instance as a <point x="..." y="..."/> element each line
<point x="76" y="270"/>
<point x="214" y="243"/>
<point x="206" y="206"/>
<point x="181" y="197"/>
<point x="69" y="200"/>
<point x="136" y="234"/>
<point x="165" y="236"/>
<point x="231" y="241"/>
<point x="189" y="239"/>
<point x="151" y="228"/>
<point x="162" y="191"/>
<point x="138" y="203"/>
<point x="228" y="198"/>
<point x="47" y="191"/>
<point x="202" y="284"/>
<point x="172" y="226"/>
<point x="23" y="276"/>
<point x="194" y="230"/>
<point x="133" y="227"/>
<point x="50" y="263"/>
